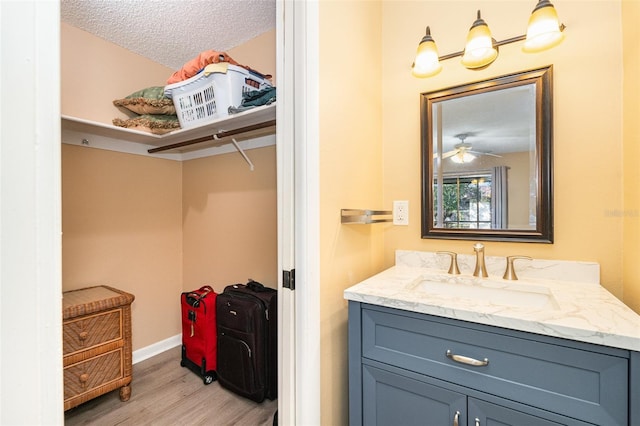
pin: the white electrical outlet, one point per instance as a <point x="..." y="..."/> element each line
<point x="401" y="212"/>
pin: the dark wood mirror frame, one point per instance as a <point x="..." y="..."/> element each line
<point x="543" y="232"/>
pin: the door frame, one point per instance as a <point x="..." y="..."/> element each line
<point x="30" y="214"/>
<point x="297" y="142"/>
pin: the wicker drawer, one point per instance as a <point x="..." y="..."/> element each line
<point x="86" y="376"/>
<point x="96" y="343"/>
<point x="94" y="330"/>
<point x="558" y="375"/>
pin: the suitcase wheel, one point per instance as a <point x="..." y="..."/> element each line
<point x="182" y="364"/>
<point x="210" y="377"/>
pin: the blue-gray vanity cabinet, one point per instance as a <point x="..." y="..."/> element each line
<point x="393" y="398"/>
<point x="390" y="398"/>
<point x="399" y="369"/>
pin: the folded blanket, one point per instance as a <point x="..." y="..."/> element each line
<point x="255" y="98"/>
<point x="259" y="97"/>
<point x="156" y="124"/>
<point x="205" y="58"/>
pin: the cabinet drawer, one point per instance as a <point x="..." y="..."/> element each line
<point x="584" y="384"/>
<point x="88" y="375"/>
<point x="86" y="332"/>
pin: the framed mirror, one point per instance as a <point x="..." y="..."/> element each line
<point x="487" y="159"/>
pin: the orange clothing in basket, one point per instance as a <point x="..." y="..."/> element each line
<point x="205" y="58"/>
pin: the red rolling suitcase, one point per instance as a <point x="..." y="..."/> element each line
<point x="199" y="332"/>
<point x="247" y="340"/>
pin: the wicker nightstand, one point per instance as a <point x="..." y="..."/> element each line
<point x="96" y="343"/>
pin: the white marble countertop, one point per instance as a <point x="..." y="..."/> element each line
<point x="581" y="311"/>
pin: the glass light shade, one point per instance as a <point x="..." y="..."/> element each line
<point x="479" y="50"/>
<point x="426" y="63"/>
<point x="543" y="31"/>
<point x="463" y="157"/>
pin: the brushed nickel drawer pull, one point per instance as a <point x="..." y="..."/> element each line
<point x="467" y="360"/>
<point x="455" y="418"/>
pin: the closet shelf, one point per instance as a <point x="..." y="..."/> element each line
<point x="253" y="123"/>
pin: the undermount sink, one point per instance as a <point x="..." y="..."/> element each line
<point x="487" y="291"/>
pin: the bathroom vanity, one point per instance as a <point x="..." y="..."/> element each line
<point x="430" y="348"/>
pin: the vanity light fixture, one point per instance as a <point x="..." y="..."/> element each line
<point x="481" y="49"/>
<point x="426" y="63"/>
<point x="544" y="30"/>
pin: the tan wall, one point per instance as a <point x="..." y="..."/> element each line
<point x="631" y="150"/>
<point x="157" y="227"/>
<point x="122" y="226"/>
<point x="519" y="199"/>
<point x="587" y="115"/>
<point x="96" y="72"/>
<point x="258" y="53"/>
<point x="351" y="157"/>
<point x="123" y="214"/>
<point x="230" y="220"/>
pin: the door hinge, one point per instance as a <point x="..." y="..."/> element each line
<point x="289" y="279"/>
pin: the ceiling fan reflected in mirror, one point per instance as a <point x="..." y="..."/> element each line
<point x="463" y="152"/>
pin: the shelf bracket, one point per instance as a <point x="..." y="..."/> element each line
<point x="241" y="151"/>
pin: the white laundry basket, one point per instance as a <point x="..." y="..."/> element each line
<point x="208" y="95"/>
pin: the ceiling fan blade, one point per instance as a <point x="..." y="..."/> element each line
<point x="485" y="153"/>
<point x="446" y="154"/>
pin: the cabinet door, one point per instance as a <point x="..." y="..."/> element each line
<point x="393" y="399"/>
<point x="482" y="413"/>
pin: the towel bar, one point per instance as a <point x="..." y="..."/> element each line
<point x="364" y="216"/>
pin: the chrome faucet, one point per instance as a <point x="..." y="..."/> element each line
<point x="481" y="269"/>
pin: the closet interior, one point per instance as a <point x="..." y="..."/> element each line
<point x="157" y="215"/>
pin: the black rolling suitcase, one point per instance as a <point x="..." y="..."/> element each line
<point x="199" y="332"/>
<point x="247" y="340"/>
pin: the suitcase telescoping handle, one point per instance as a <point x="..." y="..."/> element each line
<point x="205" y="289"/>
<point x="194" y="298"/>
<point x="255" y="286"/>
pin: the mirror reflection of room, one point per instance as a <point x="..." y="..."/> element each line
<point x="484" y="152"/>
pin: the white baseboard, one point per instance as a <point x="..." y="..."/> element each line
<point x="156" y="348"/>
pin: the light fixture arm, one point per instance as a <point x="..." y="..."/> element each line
<point x="496" y="44"/>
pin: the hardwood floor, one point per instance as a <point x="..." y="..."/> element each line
<point x="163" y="393"/>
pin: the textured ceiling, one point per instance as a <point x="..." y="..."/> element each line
<point x="171" y="32"/>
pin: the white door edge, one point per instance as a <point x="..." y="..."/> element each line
<point x="298" y="217"/>
<point x="30" y="214"/>
<point x="307" y="211"/>
<point x="286" y="234"/>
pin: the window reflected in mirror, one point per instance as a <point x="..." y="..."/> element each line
<point x="464" y="202"/>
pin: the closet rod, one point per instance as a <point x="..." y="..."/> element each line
<point x="219" y="135"/>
